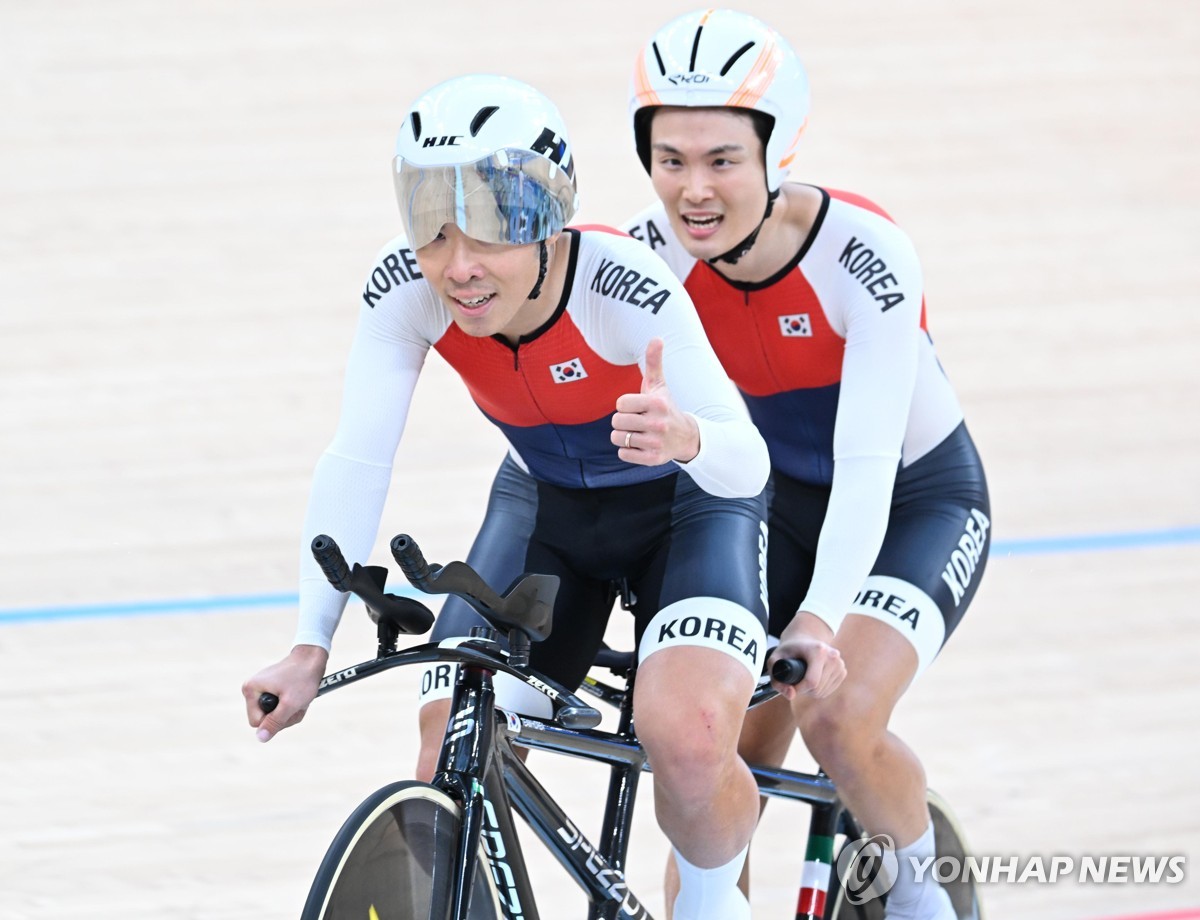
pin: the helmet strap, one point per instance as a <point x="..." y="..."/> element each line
<point x="537" y="288"/>
<point x="745" y="245"/>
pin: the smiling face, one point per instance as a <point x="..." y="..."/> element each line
<point x="706" y="165"/>
<point x="486" y="285"/>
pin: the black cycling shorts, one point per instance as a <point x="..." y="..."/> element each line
<point x="933" y="554"/>
<point x="697" y="558"/>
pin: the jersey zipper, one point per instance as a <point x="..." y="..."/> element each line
<point x="554" y="426"/>
<point x="525" y="380"/>
<point x="762" y="345"/>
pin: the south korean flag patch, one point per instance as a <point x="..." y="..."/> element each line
<point x="794" y="325"/>
<point x="568" y="372"/>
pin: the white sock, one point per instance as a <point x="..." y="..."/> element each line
<point x="711" y="894"/>
<point x="912" y="900"/>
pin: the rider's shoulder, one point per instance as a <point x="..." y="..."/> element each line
<point x="606" y="247"/>
<point x="397" y="257"/>
<point x="393" y="274"/>
<point x="845" y="208"/>
<point x="652" y="229"/>
<point x="851" y="224"/>
<point x="612" y="269"/>
<point x="655" y="214"/>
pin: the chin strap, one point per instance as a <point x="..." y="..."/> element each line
<point x="537" y="288"/>
<point x="744" y="246"/>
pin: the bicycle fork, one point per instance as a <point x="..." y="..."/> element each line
<point x="466" y="772"/>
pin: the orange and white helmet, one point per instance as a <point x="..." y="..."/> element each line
<point x="723" y="58"/>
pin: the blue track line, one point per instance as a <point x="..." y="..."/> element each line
<point x="1039" y="546"/>
<point x="1087" y="543"/>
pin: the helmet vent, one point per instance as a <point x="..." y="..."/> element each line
<point x="481" y="117"/>
<point x="695" y="49"/>
<point x="737" y="54"/>
<point x="658" y="57"/>
<point x="415" y="118"/>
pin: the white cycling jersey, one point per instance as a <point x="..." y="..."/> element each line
<point x="834" y="361"/>
<point x="552" y="394"/>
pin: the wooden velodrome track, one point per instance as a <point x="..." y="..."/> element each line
<point x="190" y="195"/>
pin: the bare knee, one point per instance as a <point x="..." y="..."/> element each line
<point x="691" y="732"/>
<point x="692" y="751"/>
<point x="843" y="732"/>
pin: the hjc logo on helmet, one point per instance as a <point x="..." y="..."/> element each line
<point x="691" y="78"/>
<point x="554" y="148"/>
<point x="501" y="147"/>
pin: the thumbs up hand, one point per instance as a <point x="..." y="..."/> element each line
<point x="653" y="378"/>
<point x="648" y="428"/>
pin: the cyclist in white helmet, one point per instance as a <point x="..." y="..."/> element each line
<point x="632" y="460"/>
<point x="813" y="300"/>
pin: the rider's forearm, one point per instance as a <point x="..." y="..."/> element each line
<point x="732" y="461"/>
<point x="346" y="503"/>
<point x="851" y="535"/>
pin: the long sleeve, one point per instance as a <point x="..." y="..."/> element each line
<point x="350" y="483"/>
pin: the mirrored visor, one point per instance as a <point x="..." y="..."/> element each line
<point x="512" y="196"/>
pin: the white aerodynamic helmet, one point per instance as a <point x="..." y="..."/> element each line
<point x="489" y="154"/>
<point x="723" y="58"/>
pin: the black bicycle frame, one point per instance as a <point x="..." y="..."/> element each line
<point x="466" y="773"/>
<point x="480" y="769"/>
<point x="599" y="870"/>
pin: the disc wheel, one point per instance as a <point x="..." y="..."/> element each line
<point x="948" y="839"/>
<point x="393" y="859"/>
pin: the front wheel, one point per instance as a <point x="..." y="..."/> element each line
<point x="393" y="859"/>
<point x="949" y="840"/>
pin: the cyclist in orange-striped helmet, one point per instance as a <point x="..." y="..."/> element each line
<point x="813" y="299"/>
<point x="721" y="58"/>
